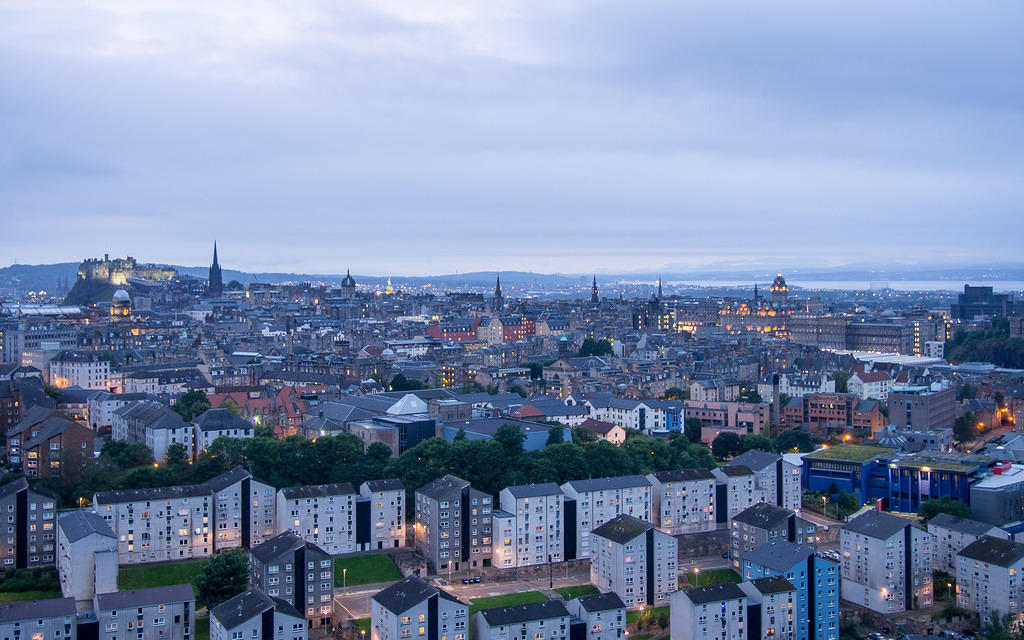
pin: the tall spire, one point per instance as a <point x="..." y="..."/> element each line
<point x="215" y="253"/>
<point x="215" y="283"/>
<point x="499" y="300"/>
<point x="593" y="291"/>
<point x="659" y="287"/>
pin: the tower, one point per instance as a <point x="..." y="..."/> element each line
<point x="498" y="305"/>
<point x="659" y="288"/>
<point x="756" y="302"/>
<point x="216" y="281"/>
<point x="593" y="292"/>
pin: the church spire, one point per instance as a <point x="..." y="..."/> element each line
<point x="499" y="300"/>
<point x="659" y="287"/>
<point x="593" y="291"/>
<point x="215" y="283"/>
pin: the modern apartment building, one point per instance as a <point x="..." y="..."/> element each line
<point x="714" y="612"/>
<point x="603" y="615"/>
<point x="39" y="619"/>
<point x="29" y="538"/>
<point x="763" y="523"/>
<point x="254" y="614"/>
<point x="323" y="514"/>
<point x="591" y="503"/>
<point x="735" y="490"/>
<point x="453" y="525"/>
<point x="413" y="608"/>
<point x="539" y="529"/>
<point x="952" y="534"/>
<point x="86" y="557"/>
<point x="631" y="558"/>
<point x="683" y="501"/>
<point x="86" y="369"/>
<point x="776" y="480"/>
<point x="988" y="579"/>
<point x="159" y="613"/>
<point x="548" y="620"/>
<point x="886" y="563"/>
<point x="385" y="515"/>
<point x="298" y="572"/>
<point x="770" y="608"/>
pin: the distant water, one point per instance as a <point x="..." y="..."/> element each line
<point x="866" y="285"/>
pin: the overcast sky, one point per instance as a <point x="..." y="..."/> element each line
<point x="414" y="136"/>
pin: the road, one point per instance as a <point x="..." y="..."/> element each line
<point x="354" y="602"/>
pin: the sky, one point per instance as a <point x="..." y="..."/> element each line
<point x="411" y="137"/>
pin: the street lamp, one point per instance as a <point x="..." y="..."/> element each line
<point x="696" y="578"/>
<point x="949" y="591"/>
<point x="344" y="578"/>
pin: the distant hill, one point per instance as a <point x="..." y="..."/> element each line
<point x="33" y="277"/>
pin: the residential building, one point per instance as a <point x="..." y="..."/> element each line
<point x="297" y="571"/>
<point x="870" y="384"/>
<point x="770" y="608"/>
<point x="215" y="423"/>
<point x="776" y="480"/>
<point x="953" y="534"/>
<point x="53" y="618"/>
<point x="86" y="557"/>
<point x="548" y="620"/>
<point x="636" y="561"/>
<point x="155" y="425"/>
<point x="609" y="431"/>
<point x="999" y="498"/>
<point x="323" y="514"/>
<point x="385" y="515"/>
<point x="415" y="608"/>
<point x="603" y="615"/>
<point x="922" y="408"/>
<point x="815" y="579"/>
<point x="683" y="501"/>
<point x="596" y="501"/>
<point x="43" y="447"/>
<point x="734" y="490"/>
<point x="453" y="525"/>
<point x="158" y="613"/>
<point x="886" y="563"/>
<point x="86" y="369"/>
<point x="539" y="515"/>
<point x="254" y="614"/>
<point x="31" y="519"/>
<point x="763" y="522"/>
<point x="988" y="579"/>
<point x="714" y="612"/>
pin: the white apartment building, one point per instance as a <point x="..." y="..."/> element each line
<point x="159" y="613"/>
<point x="603" y="615"/>
<point x="714" y="612"/>
<point x="886" y="563"/>
<point x="770" y="608"/>
<point x="631" y="558"/>
<point x="386" y="500"/>
<point x="323" y="514"/>
<point x="86" y="557"/>
<point x="683" y="501"/>
<point x="84" y="369"/>
<point x="413" y="608"/>
<point x="776" y="479"/>
<point x="254" y="614"/>
<point x="739" y="489"/>
<point x="988" y="579"/>
<point x="870" y="385"/>
<point x="538" y="510"/>
<point x="547" y="620"/>
<point x="953" y="534"/>
<point x="599" y="500"/>
<point x="54" y="618"/>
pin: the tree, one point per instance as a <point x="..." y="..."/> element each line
<point x="964" y="429"/>
<point x="234" y="285"/>
<point x="231" y="406"/>
<point x="511" y="438"/>
<point x="842" y="379"/>
<point x="191" y="405"/>
<point x="536" y="370"/>
<point x="692" y="428"/>
<point x="401" y="383"/>
<point x="756" y="441"/>
<point x="515" y="388"/>
<point x="471" y="386"/>
<point x="593" y="347"/>
<point x="52" y="391"/>
<point x="127" y="455"/>
<point x="726" y="445"/>
<point x="176" y="454"/>
<point x="556" y="435"/>
<point x="848" y="503"/>
<point x="460" y="435"/>
<point x="582" y="436"/>
<point x="750" y="395"/>
<point x="794" y="439"/>
<point x="933" y="507"/>
<point x="225" y="577"/>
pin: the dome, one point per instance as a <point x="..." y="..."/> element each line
<point x="121" y="296"/>
<point x="888" y="313"/>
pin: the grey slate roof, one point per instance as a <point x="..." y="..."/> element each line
<point x="756" y="459"/>
<point x="12" y="487"/>
<point x="81" y="523"/>
<point x="763" y="515"/>
<point x="735" y="470"/>
<point x="405" y="594"/>
<point x="997" y="551"/>
<point x="775" y="584"/>
<point x="318" y="490"/>
<point x="714" y="593"/>
<point x="228" y="478"/>
<point x="609" y="484"/>
<point x="155" y="493"/>
<point x="535" y="490"/>
<point x="601" y="602"/>
<point x="52" y="426"/>
<point x="963" y="525"/>
<point x="215" y="419"/>
<point x="145" y="597"/>
<point x="622" y="528"/>
<point x="779" y="555"/>
<point x="36" y="609"/>
<point x="683" y="475"/>
<point x="247" y="605"/>
<point x="876" y="524"/>
<point x="442" y="486"/>
<point x="279" y="545"/>
<point x="525" y="613"/>
<point x="391" y="484"/>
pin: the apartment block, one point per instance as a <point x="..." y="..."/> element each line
<point x="603" y="615"/>
<point x="254" y="614"/>
<point x="886" y="563"/>
<point x="714" y="612"/>
<point x="323" y="514"/>
<point x="415" y="608"/>
<point x="86" y="369"/>
<point x="159" y="613"/>
<point x="770" y="608"/>
<point x="631" y="558"/>
<point x="297" y="571"/>
<point x="683" y="501"/>
<point x="988" y="579"/>
<point x="591" y="503"/>
<point x="39" y="619"/>
<point x="539" y="529"/>
<point x="952" y="534"/>
<point x="385" y="521"/>
<point x="548" y="620"/>
<point x="86" y="557"/>
<point x="735" y="490"/>
<point x="763" y="523"/>
<point x="776" y="480"/>
<point x="453" y="525"/>
<point x="29" y="539"/>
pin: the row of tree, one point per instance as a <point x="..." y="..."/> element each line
<point x="992" y="345"/>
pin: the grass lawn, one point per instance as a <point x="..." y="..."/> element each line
<point x="144" y="576"/>
<point x="363" y="624"/>
<point x="574" y="592"/>
<point x="634" y="615"/>
<point x="202" y="629"/>
<point x="508" y="600"/>
<point x="18" y="596"/>
<point x="365" y="569"/>
<point x="713" y="576"/>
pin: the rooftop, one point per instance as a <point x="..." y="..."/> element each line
<point x="849" y="453"/>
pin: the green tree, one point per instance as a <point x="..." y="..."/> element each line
<point x="515" y="388"/>
<point x="402" y="383"/>
<point x="726" y="445"/>
<point x="582" y="436"/>
<point x="191" y="405"/>
<point x="966" y="393"/>
<point x="750" y="395"/>
<point x="964" y="428"/>
<point x="842" y="379"/>
<point x="231" y="406"/>
<point x="933" y="507"/>
<point x="757" y="441"/>
<point x="127" y="455"/>
<point x="848" y="503"/>
<point x="460" y="435"/>
<point x="794" y="439"/>
<point x="692" y="428"/>
<point x="226" y="576"/>
<point x="235" y="285"/>
<point x="52" y="391"/>
<point x="511" y="438"/>
<point x="555" y="436"/>
<point x="593" y="347"/>
<point x="176" y="454"/>
<point x="471" y="386"/>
